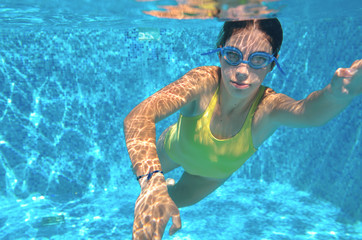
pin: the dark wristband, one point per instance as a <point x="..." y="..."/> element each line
<point x="149" y="175"/>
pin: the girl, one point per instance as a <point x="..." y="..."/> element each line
<point x="226" y="114"/>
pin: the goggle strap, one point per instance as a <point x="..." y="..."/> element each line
<point x="278" y="66"/>
<point x="212" y="51"/>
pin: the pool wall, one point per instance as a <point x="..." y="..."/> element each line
<point x="65" y="92"/>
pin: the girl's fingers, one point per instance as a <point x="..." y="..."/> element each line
<point x="344" y="72"/>
<point x="176" y="224"/>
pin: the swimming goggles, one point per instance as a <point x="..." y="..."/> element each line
<point x="256" y="60"/>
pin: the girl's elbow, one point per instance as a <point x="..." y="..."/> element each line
<point x="138" y="117"/>
<point x="127" y="119"/>
<point x="130" y="118"/>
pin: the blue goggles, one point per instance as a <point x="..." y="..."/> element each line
<point x="256" y="60"/>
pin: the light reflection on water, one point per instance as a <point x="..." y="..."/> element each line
<point x="90" y="13"/>
<point x="204" y="9"/>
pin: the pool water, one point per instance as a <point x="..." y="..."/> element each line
<point x="71" y="71"/>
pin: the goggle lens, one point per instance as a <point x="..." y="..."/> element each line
<point x="259" y="61"/>
<point x="232" y="57"/>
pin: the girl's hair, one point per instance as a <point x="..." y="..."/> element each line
<point x="271" y="27"/>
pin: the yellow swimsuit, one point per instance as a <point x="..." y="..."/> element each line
<point x="191" y="144"/>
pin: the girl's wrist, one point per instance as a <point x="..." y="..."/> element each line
<point x="149" y="175"/>
<point x="156" y="178"/>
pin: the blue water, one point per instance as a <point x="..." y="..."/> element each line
<point x="71" y="71"/>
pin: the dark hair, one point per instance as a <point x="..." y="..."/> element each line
<point x="271" y="27"/>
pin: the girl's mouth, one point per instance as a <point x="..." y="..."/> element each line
<point x="240" y="85"/>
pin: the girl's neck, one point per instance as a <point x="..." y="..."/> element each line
<point x="230" y="105"/>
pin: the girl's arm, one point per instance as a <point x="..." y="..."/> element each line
<point x="154" y="207"/>
<point x="320" y="106"/>
<point x="139" y="125"/>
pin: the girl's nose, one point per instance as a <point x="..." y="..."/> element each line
<point x="242" y="72"/>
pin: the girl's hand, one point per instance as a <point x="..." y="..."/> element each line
<point x="347" y="82"/>
<point x="154" y="207"/>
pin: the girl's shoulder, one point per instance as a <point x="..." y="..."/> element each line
<point x="269" y="92"/>
<point x="273" y="99"/>
<point x="206" y="74"/>
<point x="273" y="102"/>
<point x="268" y="101"/>
<point x="206" y="81"/>
<point x="202" y="80"/>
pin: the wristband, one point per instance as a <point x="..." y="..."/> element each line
<point x="148" y="175"/>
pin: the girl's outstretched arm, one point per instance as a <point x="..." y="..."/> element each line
<point x="320" y="106"/>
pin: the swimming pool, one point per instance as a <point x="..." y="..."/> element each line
<point x="71" y="71"/>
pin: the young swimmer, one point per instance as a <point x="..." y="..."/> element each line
<point x="226" y="114"/>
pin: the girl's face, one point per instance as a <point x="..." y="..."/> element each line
<point x="243" y="79"/>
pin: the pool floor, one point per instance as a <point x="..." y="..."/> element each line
<point x="240" y="209"/>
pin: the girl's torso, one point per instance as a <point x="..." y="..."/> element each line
<point x="223" y="127"/>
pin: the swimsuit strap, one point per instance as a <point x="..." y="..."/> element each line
<point x="256" y="101"/>
<point x="247" y="121"/>
<point x="210" y="109"/>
